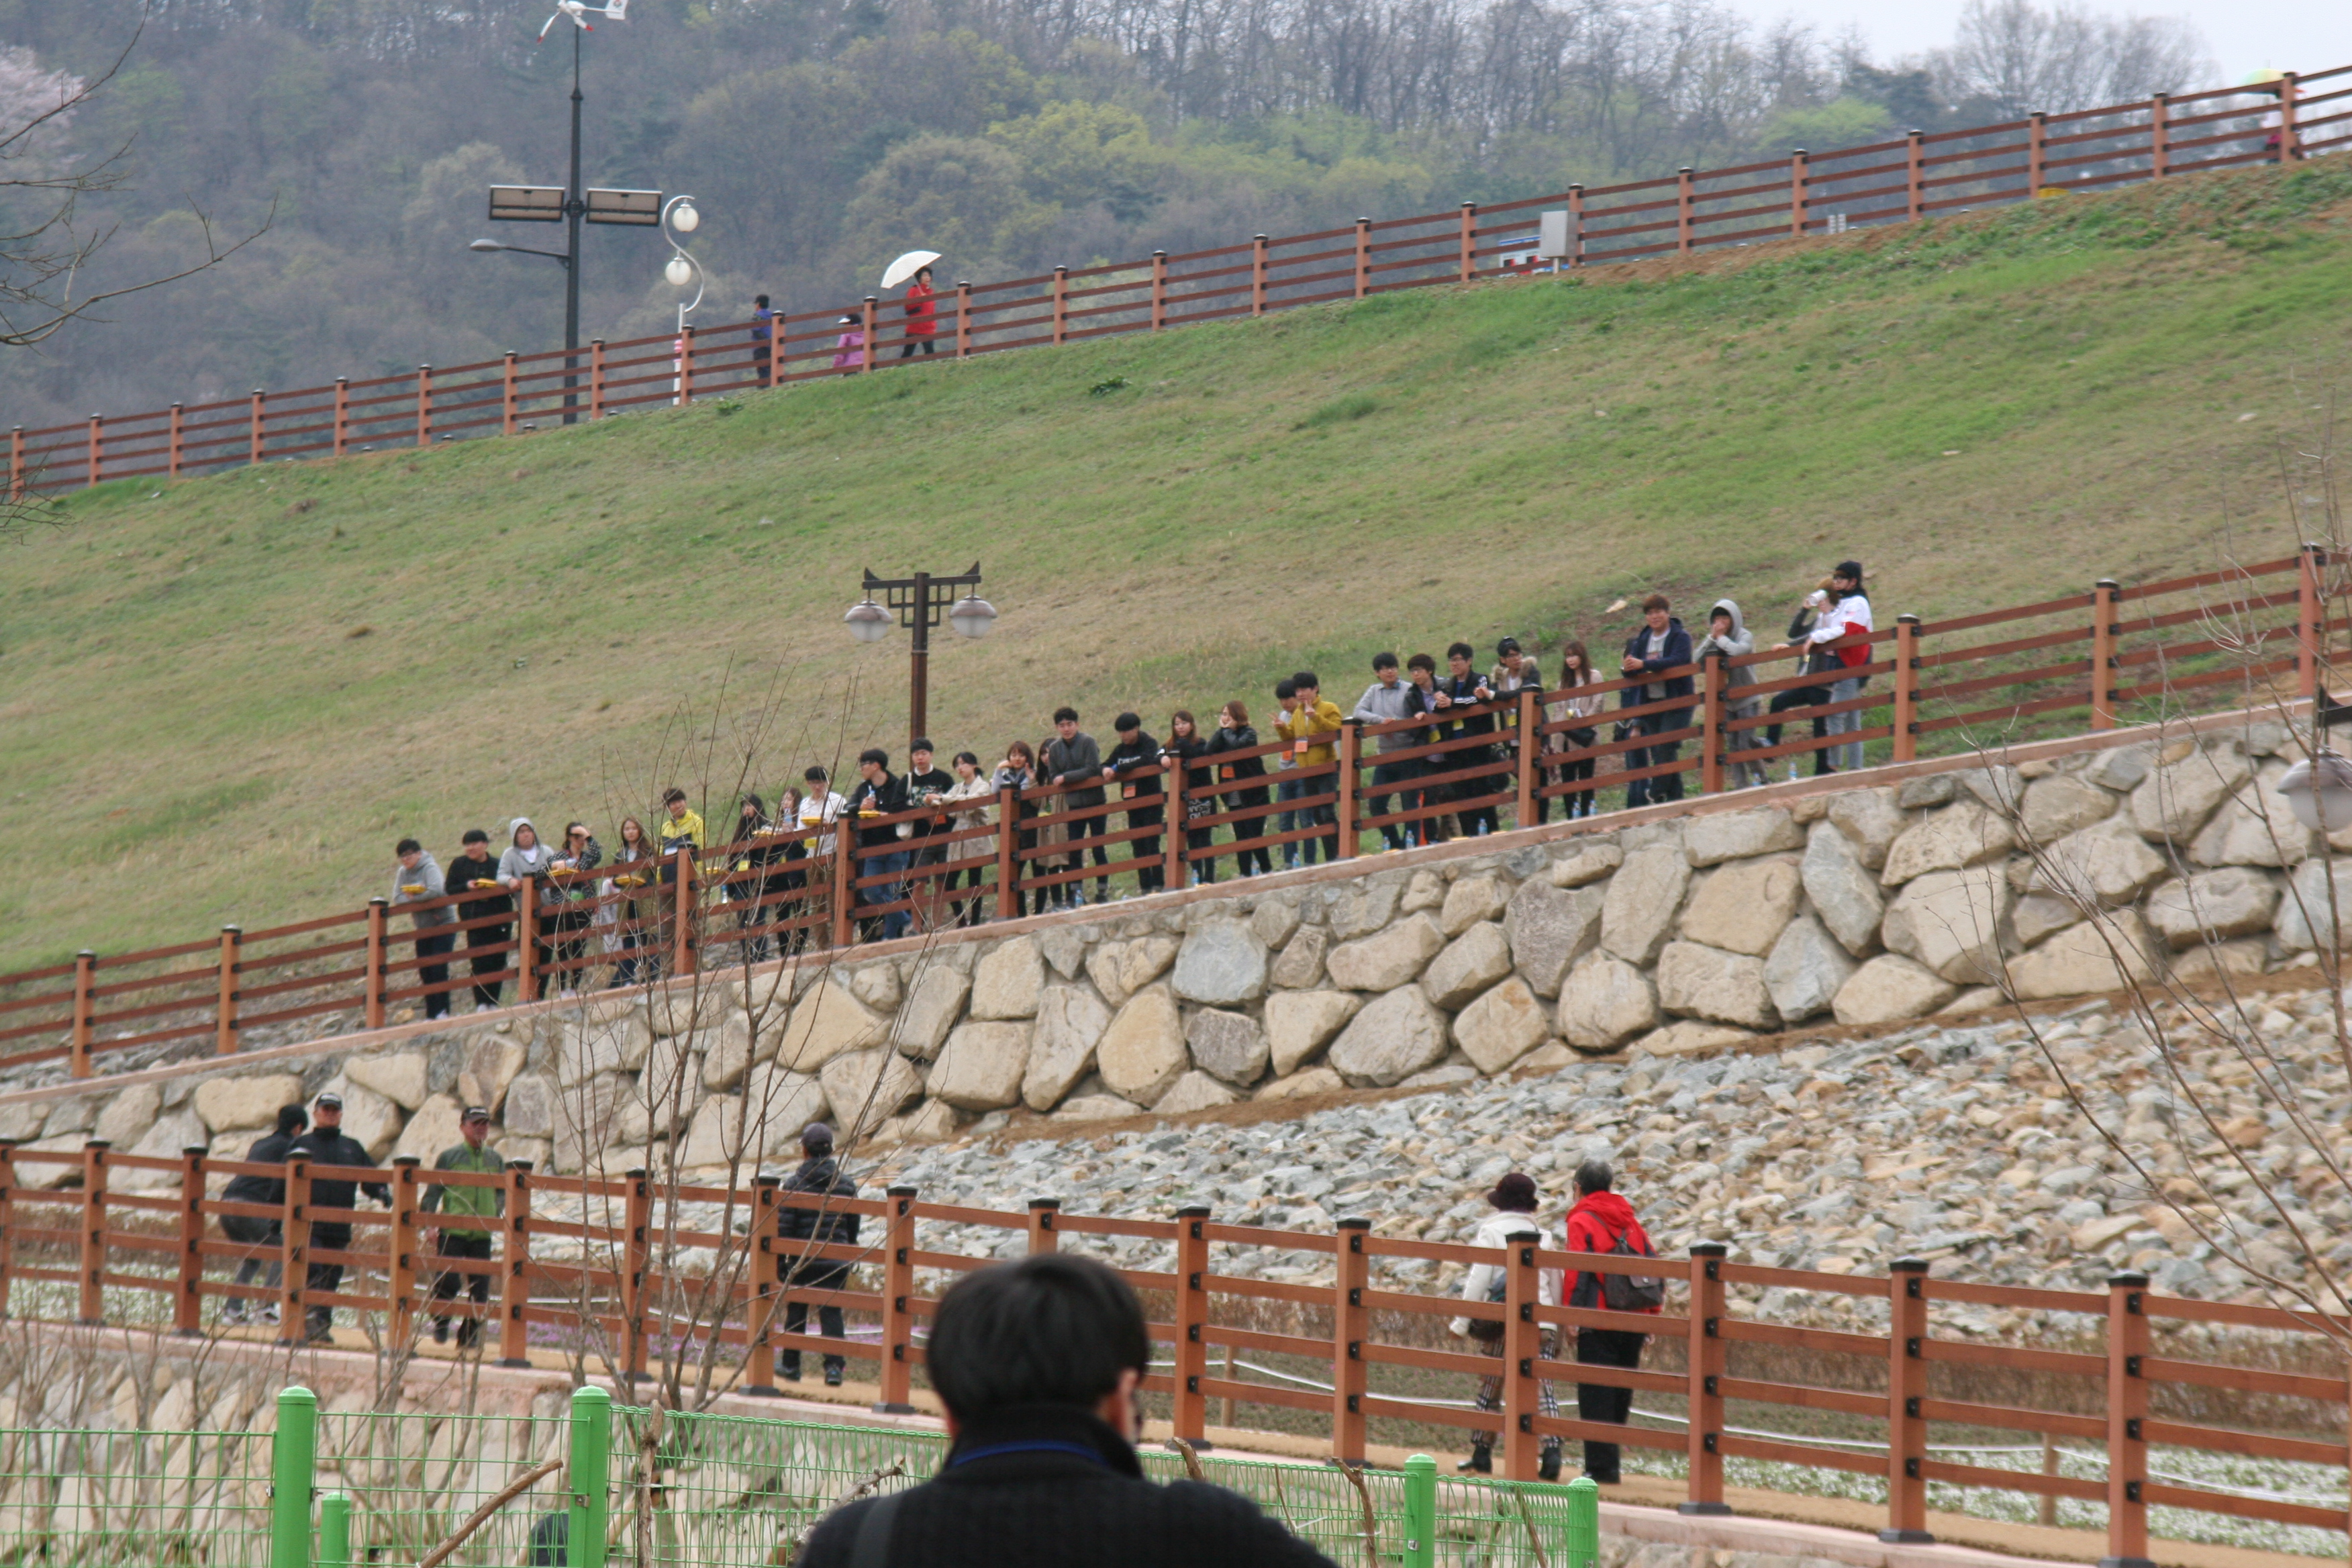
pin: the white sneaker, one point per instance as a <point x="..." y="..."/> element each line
<point x="269" y="1314"/>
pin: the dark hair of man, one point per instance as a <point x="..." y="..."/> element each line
<point x="760" y="301"/>
<point x="1239" y="710"/>
<point x="1655" y="602"/>
<point x="1383" y="661"/>
<point x="1049" y="1329"/>
<point x="291" y="1118"/>
<point x="921" y="743"/>
<point x="1283" y="689"/>
<point x="1305" y="682"/>
<point x="1422" y="661"/>
<point x="1066" y="715"/>
<point x="1461" y="650"/>
<point x="407" y="846"/>
<point x="814" y="775"/>
<point x="875" y="755"/>
<point x="672" y="796"/>
<point x="1127" y="722"/>
<point x="1595" y="1177"/>
<point x="475" y="836"/>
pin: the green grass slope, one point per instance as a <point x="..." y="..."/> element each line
<point x="222" y="699"/>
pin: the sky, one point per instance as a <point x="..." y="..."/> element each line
<point x="2279" y="35"/>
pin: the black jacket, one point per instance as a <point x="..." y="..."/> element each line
<point x="1190" y="749"/>
<point x="1462" y="688"/>
<point x="1070" y="763"/>
<point x="830" y="1225"/>
<point x="486" y="902"/>
<point x="321" y="1147"/>
<point x="888" y="796"/>
<point x="1051" y="1487"/>
<point x="938" y="781"/>
<point x="269" y="1149"/>
<point x="1676" y="652"/>
<point x="1253" y="768"/>
<point x="1143" y="789"/>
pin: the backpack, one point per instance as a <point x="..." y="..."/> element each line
<point x="1489" y="1330"/>
<point x="1631" y="1292"/>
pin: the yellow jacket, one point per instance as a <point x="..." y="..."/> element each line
<point x="672" y="829"/>
<point x="1303" y="724"/>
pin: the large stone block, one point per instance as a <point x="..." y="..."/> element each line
<point x="827" y="1022"/>
<point x="1275" y="917"/>
<point x="649" y="1109"/>
<point x="1807" y="968"/>
<point x="1871" y="820"/>
<point x="584" y="1113"/>
<point x="1471" y="963"/>
<point x="398" y="1076"/>
<point x="486" y="1066"/>
<point x="876" y="985"/>
<point x="1300" y="964"/>
<point x="1701" y="982"/>
<point x="1690" y="1037"/>
<point x="1394" y="1037"/>
<point x="431" y="1131"/>
<point x="1360" y="908"/>
<point x="1221" y="964"/>
<point x="1890" y="988"/>
<point x="1606" y="1002"/>
<point x="602" y="1040"/>
<point x="2039" y="915"/>
<point x="934" y="1002"/>
<point x="981" y="1066"/>
<point x="1299" y="1024"/>
<point x="2106" y="864"/>
<point x="129" y="1114"/>
<point x="1070" y="1023"/>
<point x="1299" y="1086"/>
<point x="1716" y="836"/>
<point x="1008" y="980"/>
<point x="1743" y="907"/>
<point x="170" y="1135"/>
<point x="1550" y="928"/>
<point x="2173" y="801"/>
<point x="1637" y="914"/>
<point x="2063" y="804"/>
<point x="2305" y="914"/>
<point x="2212" y="906"/>
<point x="1143" y="1052"/>
<point x="1501" y="1026"/>
<point x="1193" y="1091"/>
<point x="1842" y="888"/>
<point x="1951" y="922"/>
<point x="2104" y="954"/>
<point x="778" y="1103"/>
<point x="1473" y="901"/>
<point x="2255" y="826"/>
<point x="1388" y="960"/>
<point x="866" y="1088"/>
<point x="716" y="1136"/>
<point x="1959" y="835"/>
<point x="1585" y="860"/>
<point x="233" y="1104"/>
<point x="1229" y="1044"/>
<point x="531" y="1108"/>
<point x="1065" y="948"/>
<point x="1121" y="969"/>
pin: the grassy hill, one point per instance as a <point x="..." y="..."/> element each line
<point x="224" y="699"/>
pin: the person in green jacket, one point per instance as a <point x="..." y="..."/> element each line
<point x="465" y="1241"/>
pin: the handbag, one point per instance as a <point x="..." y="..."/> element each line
<point x="1198" y="808"/>
<point x="1583" y="738"/>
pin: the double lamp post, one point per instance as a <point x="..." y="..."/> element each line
<point x="918" y="603"/>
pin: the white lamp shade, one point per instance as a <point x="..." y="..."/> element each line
<point x="684" y="218"/>
<point x="972" y="615"/>
<point x="680" y="273"/>
<point x="2320" y="790"/>
<point x="867" y="621"/>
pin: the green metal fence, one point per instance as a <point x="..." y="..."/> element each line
<point x="600" y="1484"/>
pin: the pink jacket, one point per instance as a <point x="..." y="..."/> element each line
<point x="851" y="356"/>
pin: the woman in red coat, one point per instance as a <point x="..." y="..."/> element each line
<point x="922" y="316"/>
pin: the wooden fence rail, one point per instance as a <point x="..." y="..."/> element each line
<point x="2076" y="663"/>
<point x="601" y="1283"/>
<point x="1918" y="177"/>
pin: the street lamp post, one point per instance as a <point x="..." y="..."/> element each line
<point x="920" y="601"/>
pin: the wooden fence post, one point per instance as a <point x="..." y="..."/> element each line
<point x="1363" y="256"/>
<point x="255" y="425"/>
<point x="400" y="1254"/>
<point x="85" y="1009"/>
<point x="188" y="1301"/>
<point x="1915" y="176"/>
<point x="1685" y="210"/>
<point x="1159" y="290"/>
<point x="514" y="1267"/>
<point x="232" y="982"/>
<point x="507" y="397"/>
<point x="372" y="985"/>
<point x="92" y="1309"/>
<point x="1190" y="1409"/>
<point x="1347" y="776"/>
<point x="340" y="433"/>
<point x="2311" y="620"/>
<point x="2037" y="139"/>
<point x="844" y="882"/>
<point x="1576" y="226"/>
<point x="596" y="375"/>
<point x="97" y="460"/>
<point x="2103" y="654"/>
<point x="636" y="1262"/>
<point x="1468" y="261"/>
<point x="683" y="953"/>
<point x="1906" y="687"/>
<point x="897" y="1303"/>
<point x="766" y="1266"/>
<point x="7" y="1217"/>
<point x="526" y="952"/>
<point x="1707" y="1361"/>
<point x="424" y="406"/>
<point x="1042" y="1235"/>
<point x="1797" y="177"/>
<point x="1522" y="1344"/>
<point x="1060" y="292"/>
<point x="1352" y="1325"/>
<point x="868" y="323"/>
<point x="2290" y="136"/>
<point x="293" y="1251"/>
<point x="1710" y="719"/>
<point x="686" y="356"/>
<point x="1008" y="858"/>
<point x="963" y="319"/>
<point x="175" y="447"/>
<point x="1257" y="275"/>
<point x="2127" y="1341"/>
<point x="1531" y="753"/>
<point x="1175" y="875"/>
<point x="2159" y="141"/>
<point x="17" y="478"/>
<point x="1907" y="1385"/>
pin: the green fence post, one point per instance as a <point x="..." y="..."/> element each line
<point x="292" y="1449"/>
<point x="335" y="1530"/>
<point x="1583" y="1522"/>
<point x="1420" y="1512"/>
<point x="591" y="1461"/>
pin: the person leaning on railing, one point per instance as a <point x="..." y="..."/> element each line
<point x="632" y="870"/>
<point x="966" y="801"/>
<point x="474" y="874"/>
<point x="572" y="902"/>
<point x="1236" y="733"/>
<point x="1038" y="1365"/>
<point x="418" y="881"/>
<point x="1661" y="645"/>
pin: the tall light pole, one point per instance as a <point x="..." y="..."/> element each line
<point x="921" y="601"/>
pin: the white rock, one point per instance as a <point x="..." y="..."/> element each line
<point x="2063" y="804"/>
<point x="1501" y="1026"/>
<point x="1008" y="980"/>
<point x="602" y="1040"/>
<point x="1890" y="988"/>
<point x="1121" y="969"/>
<point x="827" y="1022"/>
<point x="369" y="1118"/>
<point x="1070" y="1024"/>
<point x="2105" y="954"/>
<point x="1143" y="1052"/>
<point x="1470" y="963"/>
<point x="432" y="1130"/>
<point x="233" y="1104"/>
<point x="2122" y="768"/>
<point x="1193" y="1091"/>
<point x="1709" y="983"/>
<point x="398" y="1076"/>
<point x="1471" y="901"/>
<point x="1844" y="892"/>
<point x="2213" y="905"/>
<point x="129" y="1115"/>
<point x="2040" y="915"/>
<point x="981" y="1066"/>
<point x="876" y="985"/>
<point x="1689" y="1037"/>
<point x="1586" y="861"/>
<point x="2305" y="914"/>
<point x="2107" y="863"/>
<point x="1388" y="960"/>
<point x="2174" y="800"/>
<point x="1950" y="921"/>
<point x="486" y="1066"/>
<point x="1230" y="1046"/>
<point x="1360" y="908"/>
<point x="1299" y="1085"/>
<point x="173" y="1134"/>
<point x="1395" y="1035"/>
<point x="1716" y="836"/>
<point x="1096" y="1107"/>
<point x="1743" y="907"/>
<point x="2255" y="826"/>
<point x="777" y="1103"/>
<point x="1550" y="928"/>
<point x="715" y="1137"/>
<point x="1221" y="964"/>
<point x="1298" y="1024"/>
<point x="1606" y="1002"/>
<point x="1961" y="834"/>
<point x="1300" y="962"/>
<point x="1427" y="891"/>
<point x="934" y="1002"/>
<point x="1870" y="820"/>
<point x="866" y="1088"/>
<point x="1637" y="914"/>
<point x="531" y="1108"/>
<point x="1806" y="970"/>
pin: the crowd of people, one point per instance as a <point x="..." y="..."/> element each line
<point x="931" y="871"/>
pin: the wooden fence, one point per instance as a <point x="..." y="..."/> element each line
<point x="622" y="1262"/>
<point x="1919" y="176"/>
<point x="2078" y="663"/>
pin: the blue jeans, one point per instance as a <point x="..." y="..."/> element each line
<point x="894" y="924"/>
<point x="1284" y="821"/>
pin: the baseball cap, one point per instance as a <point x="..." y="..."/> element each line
<point x="474" y="1113"/>
<point x="329" y="1102"/>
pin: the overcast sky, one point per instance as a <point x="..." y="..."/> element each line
<point x="2280" y="34"/>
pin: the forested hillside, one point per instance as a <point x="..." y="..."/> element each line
<point x="824" y="136"/>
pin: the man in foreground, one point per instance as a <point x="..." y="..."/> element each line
<point x="1037" y="1363"/>
<point x="472" y="1243"/>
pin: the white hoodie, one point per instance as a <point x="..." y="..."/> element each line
<point x="1498" y="1230"/>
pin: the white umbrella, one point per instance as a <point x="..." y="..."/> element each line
<point x="907" y="266"/>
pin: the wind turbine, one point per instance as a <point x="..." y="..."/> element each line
<point x="579" y="12"/>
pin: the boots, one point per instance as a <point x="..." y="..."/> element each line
<point x="1548" y="1468"/>
<point x="1480" y="1462"/>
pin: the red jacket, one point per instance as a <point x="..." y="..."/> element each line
<point x="1593" y="1225"/>
<point x="922" y="315"/>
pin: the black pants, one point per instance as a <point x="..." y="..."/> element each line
<point x="1199" y="864"/>
<point x="763" y="364"/>
<point x="1666" y="786"/>
<point x="1256" y="859"/>
<point x="828" y="1319"/>
<point x="1085" y="828"/>
<point x="264" y="1238"/>
<point x="487" y="996"/>
<point x="1802" y="697"/>
<point x="319" y="1318"/>
<point x="1599" y="1401"/>
<point x="436" y="1003"/>
<point x="1396" y="836"/>
<point x="1316" y="810"/>
<point x="1151" y="868"/>
<point x="1577" y="770"/>
<point x="1473" y="816"/>
<point x="571" y="950"/>
<point x="913" y="345"/>
<point x="458" y="1244"/>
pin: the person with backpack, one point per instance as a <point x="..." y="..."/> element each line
<point x="1514" y="1201"/>
<point x="1603" y="1221"/>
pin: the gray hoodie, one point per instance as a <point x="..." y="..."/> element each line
<point x="1385" y="705"/>
<point x="428" y="874"/>
<point x="1741" y="642"/>
<point x="519" y="864"/>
